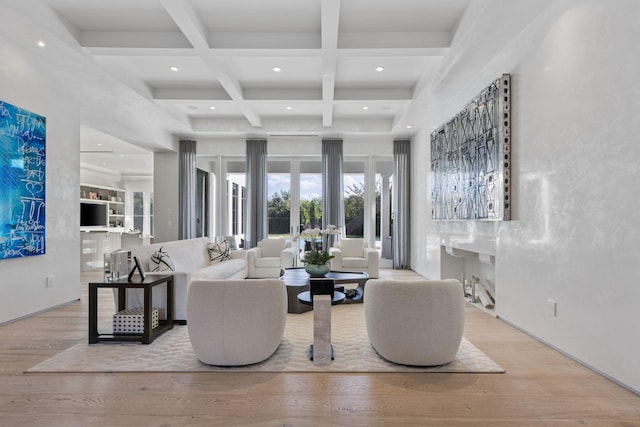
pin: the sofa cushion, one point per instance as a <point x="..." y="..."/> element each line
<point x="161" y="261"/>
<point x="272" y="247"/>
<point x="219" y="251"/>
<point x="352" y="247"/>
<point x="351" y="262"/>
<point x="220" y="270"/>
<point x="269" y="261"/>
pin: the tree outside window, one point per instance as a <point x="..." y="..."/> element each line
<point x="279" y="204"/>
<point x="138" y="210"/>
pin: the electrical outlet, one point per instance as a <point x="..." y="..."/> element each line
<point x="49" y="282"/>
<point x="552" y="308"/>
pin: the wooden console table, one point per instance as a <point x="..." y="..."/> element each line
<point x="122" y="285"/>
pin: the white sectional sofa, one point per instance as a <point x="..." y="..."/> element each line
<point x="191" y="262"/>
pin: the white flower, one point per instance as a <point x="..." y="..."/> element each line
<point x="310" y="233"/>
<point x="331" y="230"/>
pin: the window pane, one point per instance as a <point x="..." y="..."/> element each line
<point x="138" y="210"/>
<point x="151" y="214"/>
<point x="310" y="200"/>
<point x="354" y="205"/>
<point x="236" y="203"/>
<point x="279" y="204"/>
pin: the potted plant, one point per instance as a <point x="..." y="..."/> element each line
<point x="317" y="261"/>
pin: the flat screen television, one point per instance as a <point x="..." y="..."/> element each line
<point x="93" y="214"/>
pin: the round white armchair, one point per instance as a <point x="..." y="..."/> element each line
<point x="417" y="323"/>
<point x="236" y="322"/>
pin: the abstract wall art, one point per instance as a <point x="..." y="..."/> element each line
<point x="22" y="182"/>
<point x="471" y="159"/>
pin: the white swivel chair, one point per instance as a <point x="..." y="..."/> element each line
<point x="416" y="322"/>
<point x="354" y="255"/>
<point x="269" y="257"/>
<point x="236" y="322"/>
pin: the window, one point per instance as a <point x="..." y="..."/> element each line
<point x="294" y="191"/>
<point x="236" y="203"/>
<point x="138" y="210"/>
<point x="310" y="200"/>
<point x="279" y="204"/>
<point x="151" y="224"/>
<point x="143" y="219"/>
<point x="234" y="208"/>
<point x="202" y="204"/>
<point x="354" y="205"/>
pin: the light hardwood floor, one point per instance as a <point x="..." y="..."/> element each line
<point x="541" y="387"/>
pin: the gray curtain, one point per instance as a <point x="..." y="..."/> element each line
<point x="332" y="185"/>
<point x="187" y="193"/>
<point x="401" y="205"/>
<point x="255" y="215"/>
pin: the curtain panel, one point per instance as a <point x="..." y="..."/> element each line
<point x="255" y="215"/>
<point x="187" y="193"/>
<point x="401" y="203"/>
<point x="332" y="185"/>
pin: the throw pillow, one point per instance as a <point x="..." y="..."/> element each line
<point x="161" y="261"/>
<point x="218" y="252"/>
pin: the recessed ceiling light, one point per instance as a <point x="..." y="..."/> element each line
<point x="212" y="108"/>
<point x="409" y="126"/>
<point x="276" y="69"/>
<point x="41" y="43"/>
<point x="289" y="108"/>
<point x="379" y="69"/>
<point x="99" y="144"/>
<point x="365" y="108"/>
<point x="174" y="68"/>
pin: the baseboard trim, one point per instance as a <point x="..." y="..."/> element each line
<point x="26" y="316"/>
<point x="572" y="357"/>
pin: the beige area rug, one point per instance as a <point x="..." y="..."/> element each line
<point x="172" y="352"/>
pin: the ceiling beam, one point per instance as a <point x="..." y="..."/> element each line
<point x="230" y="83"/>
<point x="330" y="23"/>
<point x="188" y="21"/>
<point x="106" y="49"/>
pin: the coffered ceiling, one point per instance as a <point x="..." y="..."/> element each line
<point x="211" y="66"/>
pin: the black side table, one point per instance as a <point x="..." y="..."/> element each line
<point x="122" y="285"/>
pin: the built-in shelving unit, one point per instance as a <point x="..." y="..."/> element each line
<point x="112" y="197"/>
<point x="103" y="235"/>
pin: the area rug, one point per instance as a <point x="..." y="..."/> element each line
<point x="172" y="352"/>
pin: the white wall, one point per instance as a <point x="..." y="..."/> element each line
<point x="26" y="82"/>
<point x="574" y="236"/>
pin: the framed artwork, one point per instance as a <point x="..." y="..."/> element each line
<point x="22" y="182"/>
<point x="471" y="158"/>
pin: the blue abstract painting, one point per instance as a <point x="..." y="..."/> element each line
<point x="22" y="182"/>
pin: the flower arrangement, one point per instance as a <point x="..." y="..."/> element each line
<point x="315" y="256"/>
